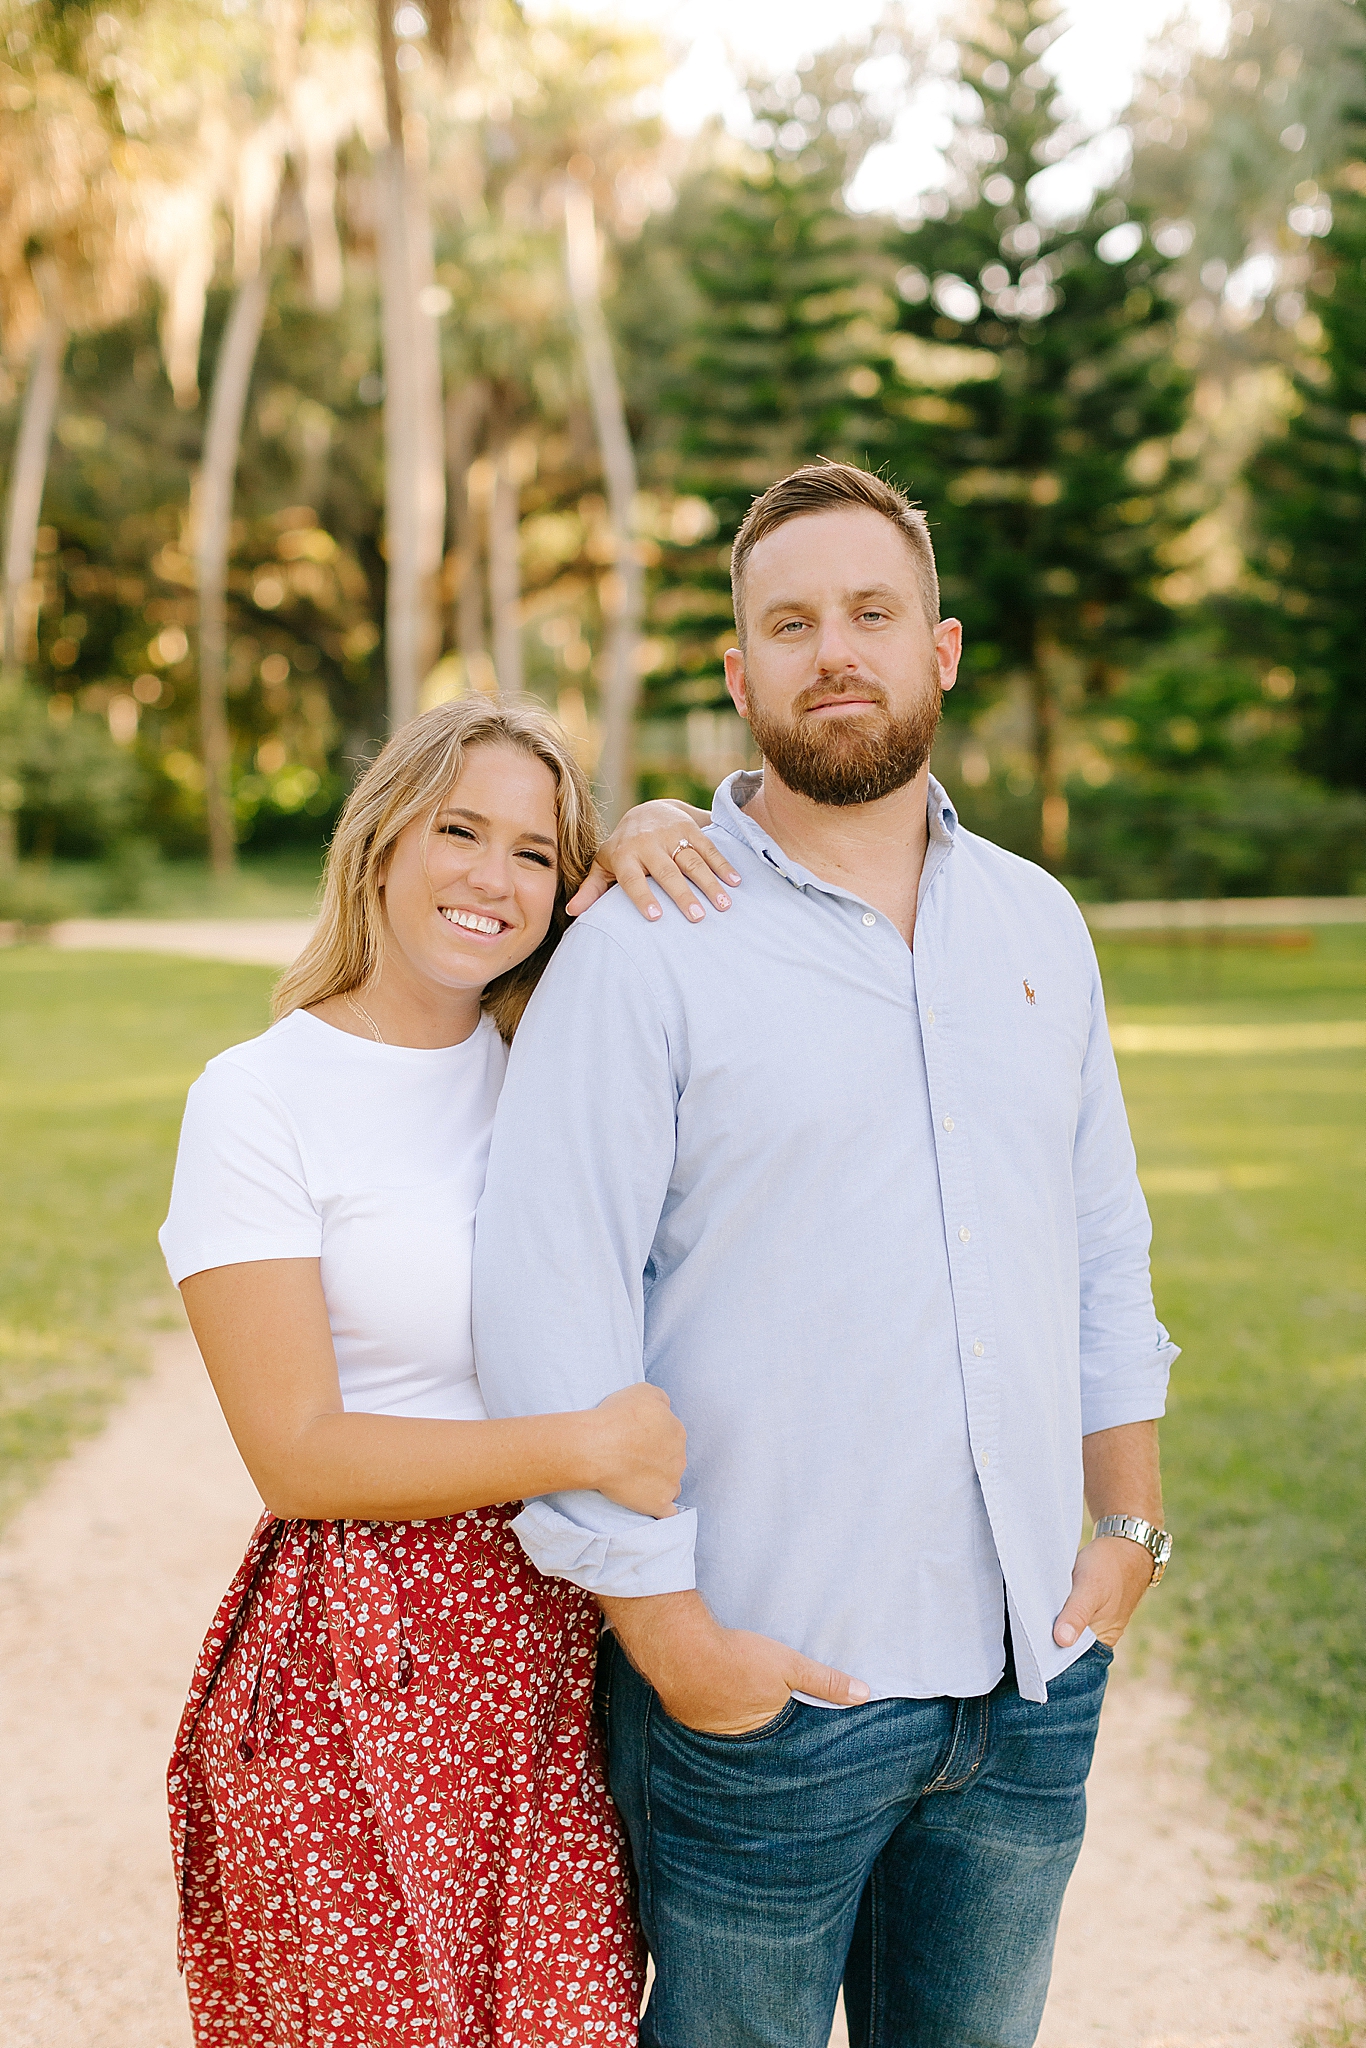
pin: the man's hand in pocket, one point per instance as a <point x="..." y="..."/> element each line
<point x="718" y="1681"/>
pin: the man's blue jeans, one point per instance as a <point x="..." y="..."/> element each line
<point x="916" y="1849"/>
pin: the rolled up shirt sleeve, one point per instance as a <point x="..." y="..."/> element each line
<point x="582" y="1155"/>
<point x="1126" y="1354"/>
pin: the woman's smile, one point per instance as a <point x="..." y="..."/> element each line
<point x="474" y="921"/>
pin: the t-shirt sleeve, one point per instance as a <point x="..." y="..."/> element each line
<point x="240" y="1190"/>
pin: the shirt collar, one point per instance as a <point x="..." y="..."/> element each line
<point x="728" y="809"/>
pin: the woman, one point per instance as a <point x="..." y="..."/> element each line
<point x="388" y="1810"/>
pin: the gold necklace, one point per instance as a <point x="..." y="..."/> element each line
<point x="352" y="1004"/>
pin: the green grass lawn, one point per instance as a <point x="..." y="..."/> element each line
<point x="96" y="1052"/>
<point x="1254" y="1166"/>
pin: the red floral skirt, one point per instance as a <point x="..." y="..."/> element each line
<point x="388" y="1811"/>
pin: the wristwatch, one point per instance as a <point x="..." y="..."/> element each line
<point x="1157" y="1542"/>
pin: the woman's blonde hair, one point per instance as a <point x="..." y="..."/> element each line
<point x="410" y="780"/>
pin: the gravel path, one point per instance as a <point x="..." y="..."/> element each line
<point x="107" y="1581"/>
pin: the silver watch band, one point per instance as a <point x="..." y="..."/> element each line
<point x="1157" y="1542"/>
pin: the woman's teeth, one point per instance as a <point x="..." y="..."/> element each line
<point x="466" y="919"/>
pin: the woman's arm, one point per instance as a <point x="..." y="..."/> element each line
<point x="263" y="1332"/>
<point x="649" y="842"/>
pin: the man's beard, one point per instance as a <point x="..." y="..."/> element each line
<point x="847" y="759"/>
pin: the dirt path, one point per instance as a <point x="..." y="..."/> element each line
<point x="247" y="941"/>
<point x="107" y="1581"/>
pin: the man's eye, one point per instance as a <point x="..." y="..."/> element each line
<point x="792" y="626"/>
<point x="872" y="615"/>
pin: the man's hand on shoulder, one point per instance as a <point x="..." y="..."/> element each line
<point x="719" y="1681"/>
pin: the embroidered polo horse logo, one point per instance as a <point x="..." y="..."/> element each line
<point x="1029" y="995"/>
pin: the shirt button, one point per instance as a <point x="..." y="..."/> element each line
<point x="948" y="1123"/>
<point x="929" y="1016"/>
<point x="964" y="1232"/>
<point x="868" y="917"/>
<point x="978" y="1350"/>
<point x="985" y="1459"/>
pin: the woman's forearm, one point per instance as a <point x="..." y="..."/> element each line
<point x="263" y="1332"/>
<point x="398" y="1468"/>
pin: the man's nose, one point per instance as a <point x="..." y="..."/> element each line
<point x="834" y="646"/>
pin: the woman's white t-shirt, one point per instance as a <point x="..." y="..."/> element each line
<point x="309" y="1143"/>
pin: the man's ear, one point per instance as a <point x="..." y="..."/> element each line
<point x="735" y="679"/>
<point x="948" y="651"/>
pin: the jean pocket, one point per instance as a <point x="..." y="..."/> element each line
<point x="759" y="1734"/>
<point x="1102" y="1653"/>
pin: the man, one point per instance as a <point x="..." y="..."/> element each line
<point x="847" y="1173"/>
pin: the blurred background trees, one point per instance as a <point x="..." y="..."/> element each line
<point x="357" y="356"/>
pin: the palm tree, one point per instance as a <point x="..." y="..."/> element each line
<point x="414" y="460"/>
<point x="624" y="596"/>
<point x="316" y="96"/>
<point x="66" y="261"/>
<point x="24" y="498"/>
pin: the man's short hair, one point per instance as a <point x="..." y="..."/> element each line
<point x="833" y="487"/>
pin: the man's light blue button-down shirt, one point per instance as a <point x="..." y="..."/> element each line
<point x="870" y="1217"/>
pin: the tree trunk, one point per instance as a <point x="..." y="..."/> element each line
<point x="27" y="479"/>
<point x="400" y="409"/>
<point x="430" y="478"/>
<point x="465" y="412"/>
<point x="212" y="525"/>
<point x="1053" y="817"/>
<point x="505" y="574"/>
<point x="414" y="482"/>
<point x="623" y="593"/>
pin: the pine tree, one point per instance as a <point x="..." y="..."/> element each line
<point x="1309" y="491"/>
<point x="1040" y="439"/>
<point x="783" y="298"/>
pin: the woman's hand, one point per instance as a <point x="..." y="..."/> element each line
<point x="641" y="1451"/>
<point x="662" y="841"/>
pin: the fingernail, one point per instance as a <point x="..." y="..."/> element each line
<point x="695" y="912"/>
<point x="654" y="911"/>
<point x="734" y="880"/>
<point x="858" y="1692"/>
<point x="1065" y="1634"/>
<point x="722" y="902"/>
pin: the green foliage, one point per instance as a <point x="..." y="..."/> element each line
<point x="1252" y="1165"/>
<point x="280" y="882"/>
<point x="33" y="898"/>
<point x="71" y="789"/>
<point x="1033" y="395"/>
<point x="1183" y="784"/>
<point x="305" y="582"/>
<point x="1309" y="492"/>
<point x="96" y="1052"/>
<point x="126" y="873"/>
<point x="1163" y="835"/>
